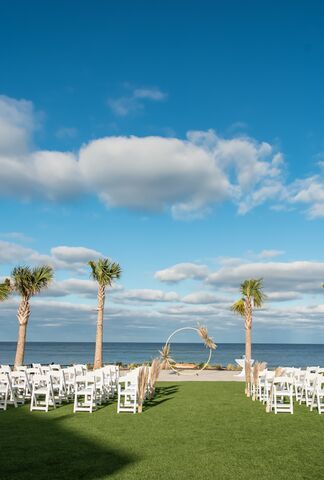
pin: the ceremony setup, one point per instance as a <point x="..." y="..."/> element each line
<point x="161" y="255"/>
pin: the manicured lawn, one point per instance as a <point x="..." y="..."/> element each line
<point x="193" y="430"/>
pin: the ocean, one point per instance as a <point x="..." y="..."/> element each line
<point x="66" y="353"/>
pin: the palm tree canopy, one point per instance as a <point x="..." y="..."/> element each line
<point x="29" y="281"/>
<point x="5" y="290"/>
<point x="253" y="289"/>
<point x="104" y="271"/>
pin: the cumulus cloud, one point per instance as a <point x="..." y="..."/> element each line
<point x="182" y="271"/>
<point x="146" y="295"/>
<point x="60" y="257"/>
<point x="186" y="176"/>
<point x="300" y="276"/>
<point x="201" y="298"/>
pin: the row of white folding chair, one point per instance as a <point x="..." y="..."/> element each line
<point x="307" y="386"/>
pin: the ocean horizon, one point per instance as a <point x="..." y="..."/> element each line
<point x="66" y="353"/>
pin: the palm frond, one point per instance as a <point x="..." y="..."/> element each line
<point x="239" y="307"/>
<point x="41" y="277"/>
<point x="253" y="289"/>
<point x="29" y="281"/>
<point x="5" y="290"/>
<point x="104" y="271"/>
<point x="203" y="333"/>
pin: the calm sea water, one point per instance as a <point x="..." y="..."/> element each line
<point x="297" y="355"/>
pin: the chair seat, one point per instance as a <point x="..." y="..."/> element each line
<point x="41" y="390"/>
<point x="85" y="391"/>
<point x="282" y="393"/>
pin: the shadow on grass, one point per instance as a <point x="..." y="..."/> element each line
<point x="162" y="394"/>
<point x="34" y="447"/>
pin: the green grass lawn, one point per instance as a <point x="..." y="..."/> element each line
<point x="192" y="430"/>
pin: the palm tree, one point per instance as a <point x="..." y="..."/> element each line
<point x="27" y="282"/>
<point x="5" y="290"/>
<point x="252" y="297"/>
<point x="104" y="272"/>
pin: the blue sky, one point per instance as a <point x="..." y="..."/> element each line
<point x="185" y="142"/>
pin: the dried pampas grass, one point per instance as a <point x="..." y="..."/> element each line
<point x="143" y="375"/>
<point x="154" y="375"/>
<point x="203" y="333"/>
<point x="166" y="360"/>
<point x="257" y="368"/>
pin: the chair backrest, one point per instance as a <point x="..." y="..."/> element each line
<point x="55" y="367"/>
<point x="80" y="369"/>
<point x="312" y="369"/>
<point x="5" y="369"/>
<point x="45" y="368"/>
<point x="4" y="378"/>
<point x="285" y="382"/>
<point x="42" y="380"/>
<point x="21" y="368"/>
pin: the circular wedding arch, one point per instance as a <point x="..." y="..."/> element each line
<point x="168" y="342"/>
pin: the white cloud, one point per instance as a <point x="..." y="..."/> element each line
<point x="265" y="254"/>
<point x="283" y="296"/>
<point x="186" y="176"/>
<point x="17" y="121"/>
<point x="298" y="276"/>
<point x="201" y="298"/>
<point x="310" y="192"/>
<point x="75" y="254"/>
<point x="18" y="236"/>
<point x="135" y="101"/>
<point x="182" y="271"/>
<point x="146" y="295"/>
<point x="61" y="257"/>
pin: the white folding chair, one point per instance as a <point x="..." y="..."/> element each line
<point x="69" y="378"/>
<point x="281" y="400"/>
<point x="307" y="390"/>
<point x="127" y="393"/>
<point x="7" y="395"/>
<point x="21" y="386"/>
<point x="318" y="394"/>
<point x="42" y="393"/>
<point x="85" y="399"/>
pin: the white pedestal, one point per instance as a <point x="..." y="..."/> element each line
<point x="241" y="363"/>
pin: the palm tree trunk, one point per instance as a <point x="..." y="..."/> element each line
<point x="248" y="349"/>
<point x="23" y="317"/>
<point x="99" y="334"/>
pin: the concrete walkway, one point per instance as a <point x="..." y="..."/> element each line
<point x="204" y="376"/>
